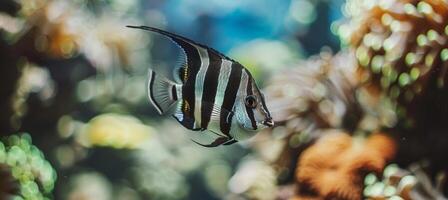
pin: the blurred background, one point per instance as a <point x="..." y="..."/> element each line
<point x="357" y="89"/>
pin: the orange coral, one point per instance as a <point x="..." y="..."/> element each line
<point x="317" y="94"/>
<point x="335" y="165"/>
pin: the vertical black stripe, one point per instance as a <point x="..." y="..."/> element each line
<point x="210" y="88"/>
<point x="230" y="96"/>
<point x="174" y="93"/>
<point x="194" y="63"/>
<point x="249" y="111"/>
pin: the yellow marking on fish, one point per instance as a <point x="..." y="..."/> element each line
<point x="186" y="73"/>
<point x="186" y="106"/>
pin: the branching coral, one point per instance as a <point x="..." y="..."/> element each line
<point x="402" y="48"/>
<point x="28" y="168"/>
<point x="334" y="166"/>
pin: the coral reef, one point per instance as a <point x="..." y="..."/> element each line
<point x="25" y="172"/>
<point x="255" y="180"/>
<point x="333" y="167"/>
<point x="341" y="117"/>
<point x="401" y="50"/>
<point x="392" y="78"/>
<point x="9" y="186"/>
<point x="397" y="183"/>
<point x="114" y="130"/>
<point x="317" y="95"/>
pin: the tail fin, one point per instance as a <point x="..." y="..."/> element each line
<point x="161" y="92"/>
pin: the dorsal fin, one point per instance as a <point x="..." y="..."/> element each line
<point x="190" y="50"/>
<point x="180" y="40"/>
<point x="177" y="38"/>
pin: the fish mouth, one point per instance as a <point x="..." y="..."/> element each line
<point x="269" y="123"/>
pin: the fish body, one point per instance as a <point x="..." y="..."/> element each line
<point x="211" y="92"/>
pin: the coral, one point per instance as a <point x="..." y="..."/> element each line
<point x="8" y="185"/>
<point x="334" y="166"/>
<point x="254" y="180"/>
<point x="398" y="183"/>
<point x="402" y="52"/>
<point x="401" y="48"/>
<point x="89" y="185"/>
<point x="324" y="92"/>
<point x="318" y="94"/>
<point x="114" y="130"/>
<point x="27" y="167"/>
<point x="395" y="183"/>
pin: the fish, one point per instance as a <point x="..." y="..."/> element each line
<point x="210" y="91"/>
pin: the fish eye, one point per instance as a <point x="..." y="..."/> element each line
<point x="251" y="101"/>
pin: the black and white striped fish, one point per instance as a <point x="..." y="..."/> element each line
<point x="212" y="92"/>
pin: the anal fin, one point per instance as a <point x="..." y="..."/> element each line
<point x="218" y="141"/>
<point x="230" y="142"/>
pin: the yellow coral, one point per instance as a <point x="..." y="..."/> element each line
<point x="114" y="130"/>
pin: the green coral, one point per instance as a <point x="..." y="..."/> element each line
<point x="35" y="175"/>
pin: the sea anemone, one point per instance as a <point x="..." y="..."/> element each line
<point x="401" y="48"/>
<point x="322" y="93"/>
<point x="402" y="51"/>
<point x="335" y="165"/>
<point x="316" y="95"/>
<point x="398" y="183"/>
